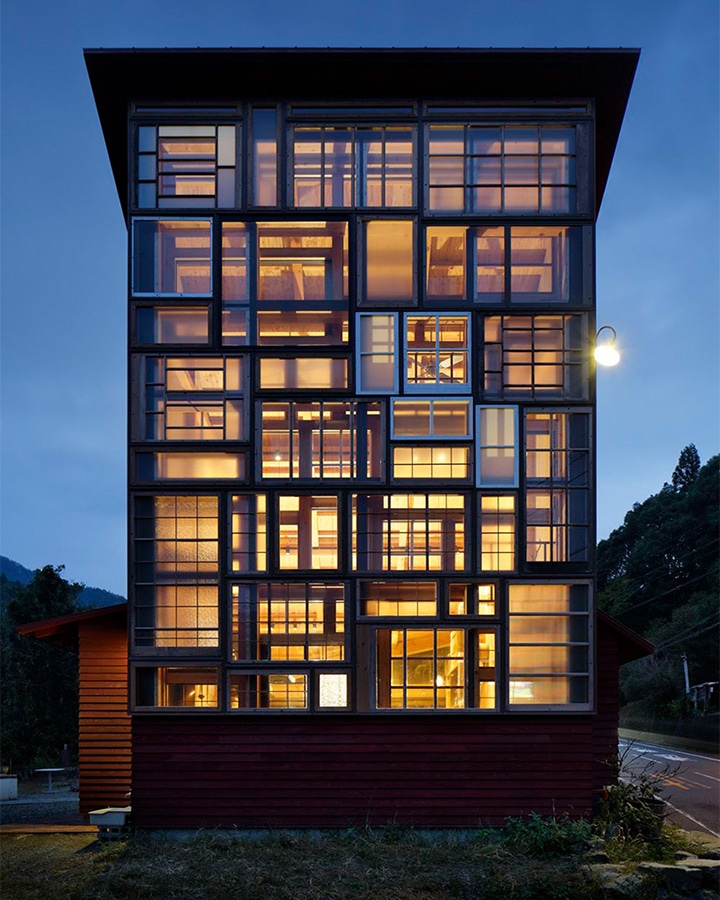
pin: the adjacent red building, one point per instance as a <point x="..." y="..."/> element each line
<point x="362" y="450"/>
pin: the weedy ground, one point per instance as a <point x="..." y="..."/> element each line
<point x="538" y="859"/>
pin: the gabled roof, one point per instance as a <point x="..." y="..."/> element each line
<point x="630" y="644"/>
<point x="195" y="75"/>
<point x="62" y="631"/>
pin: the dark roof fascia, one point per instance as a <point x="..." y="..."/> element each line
<point x="62" y="631"/>
<point x="632" y="645"/>
<point x="119" y="77"/>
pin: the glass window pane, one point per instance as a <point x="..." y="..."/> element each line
<point x="264" y="131"/>
<point x="171" y="257"/>
<point x="389" y="261"/>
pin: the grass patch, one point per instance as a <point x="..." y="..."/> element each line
<point x="538" y="859"/>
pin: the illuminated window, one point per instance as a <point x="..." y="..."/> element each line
<point x="192" y="398"/>
<point x="171" y="258"/>
<point x="353" y="166"/>
<point x="189" y="466"/>
<point x="420" y="668"/>
<point x="437" y="353"/>
<point x="269" y="691"/>
<point x="283" y="622"/>
<point x="308" y="532"/>
<point x="176" y="687"/>
<point x="249" y="533"/>
<point x="549" y="645"/>
<point x="501" y="169"/>
<point x="485" y="669"/>
<point x="321" y="440"/>
<point x="431" y="419"/>
<point x="445" y="248"/>
<point x="536" y="357"/>
<point x="235" y="280"/>
<point x="332" y="690"/>
<point x="302" y="263"/>
<point x="176" y="571"/>
<point x="497" y="533"/>
<point x="557" y="478"/>
<point x="408" y="532"/>
<point x="376" y="354"/>
<point x="185" y="166"/>
<point x="264" y="157"/>
<point x="303" y="373"/>
<point x="465" y="599"/>
<point x="431" y="462"/>
<point x="397" y="598"/>
<point x="388" y="263"/>
<point x="172" y="325"/>
<point x="497" y="456"/>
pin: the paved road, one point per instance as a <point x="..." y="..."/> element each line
<point x="689" y="782"/>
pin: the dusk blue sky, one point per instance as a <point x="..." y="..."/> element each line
<point x="63" y="239"/>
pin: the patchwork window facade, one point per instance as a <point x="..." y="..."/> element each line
<point x="361" y="409"/>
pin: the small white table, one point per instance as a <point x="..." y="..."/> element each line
<point x="49" y="772"/>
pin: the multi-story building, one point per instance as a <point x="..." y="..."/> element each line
<point x="361" y="430"/>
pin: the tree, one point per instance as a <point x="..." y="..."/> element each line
<point x="39" y="704"/>
<point x="658" y="574"/>
<point x="687" y="469"/>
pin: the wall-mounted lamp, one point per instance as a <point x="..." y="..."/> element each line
<point x="606" y="353"/>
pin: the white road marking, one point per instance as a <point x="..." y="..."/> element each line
<point x="696" y="821"/>
<point x="656" y="747"/>
<point x="703" y="775"/>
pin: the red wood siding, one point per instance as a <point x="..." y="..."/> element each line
<point x="104" y="723"/>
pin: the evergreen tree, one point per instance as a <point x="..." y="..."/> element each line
<point x="39" y="704"/>
<point x="687" y="469"/>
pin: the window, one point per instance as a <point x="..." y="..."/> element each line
<point x="376" y="353"/>
<point x="235" y="282"/>
<point x="557" y="477"/>
<point x="397" y="598"/>
<point x="437" y="353"/>
<point x="302" y="263"/>
<point x="549" y="652"/>
<point x="388" y="269"/>
<point x="408" y="532"/>
<point x="172" y="325"/>
<point x="298" y="282"/>
<point x="186" y="166"/>
<point x="264" y="157"/>
<point x="176" y="687"/>
<point x="308" y="532"/>
<point x="192" y="398"/>
<point x="353" y="166"/>
<point x="536" y="357"/>
<point x="465" y="599"/>
<point x="430" y="462"/>
<point x="176" y="571"/>
<point x="321" y="440"/>
<point x="497" y="533"/>
<point x="485" y="669"/>
<point x="249" y="533"/>
<point x="497" y="457"/>
<point x="282" y="622"/>
<point x="303" y="373"/>
<point x="431" y="419"/>
<point x="509" y="263"/>
<point x="189" y="466"/>
<point x="420" y="668"/>
<point x="498" y="169"/>
<point x="171" y="258"/>
<point x="269" y="691"/>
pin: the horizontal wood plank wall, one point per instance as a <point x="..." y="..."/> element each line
<point x="105" y="728"/>
<point x="337" y="772"/>
<point x="608" y="707"/>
